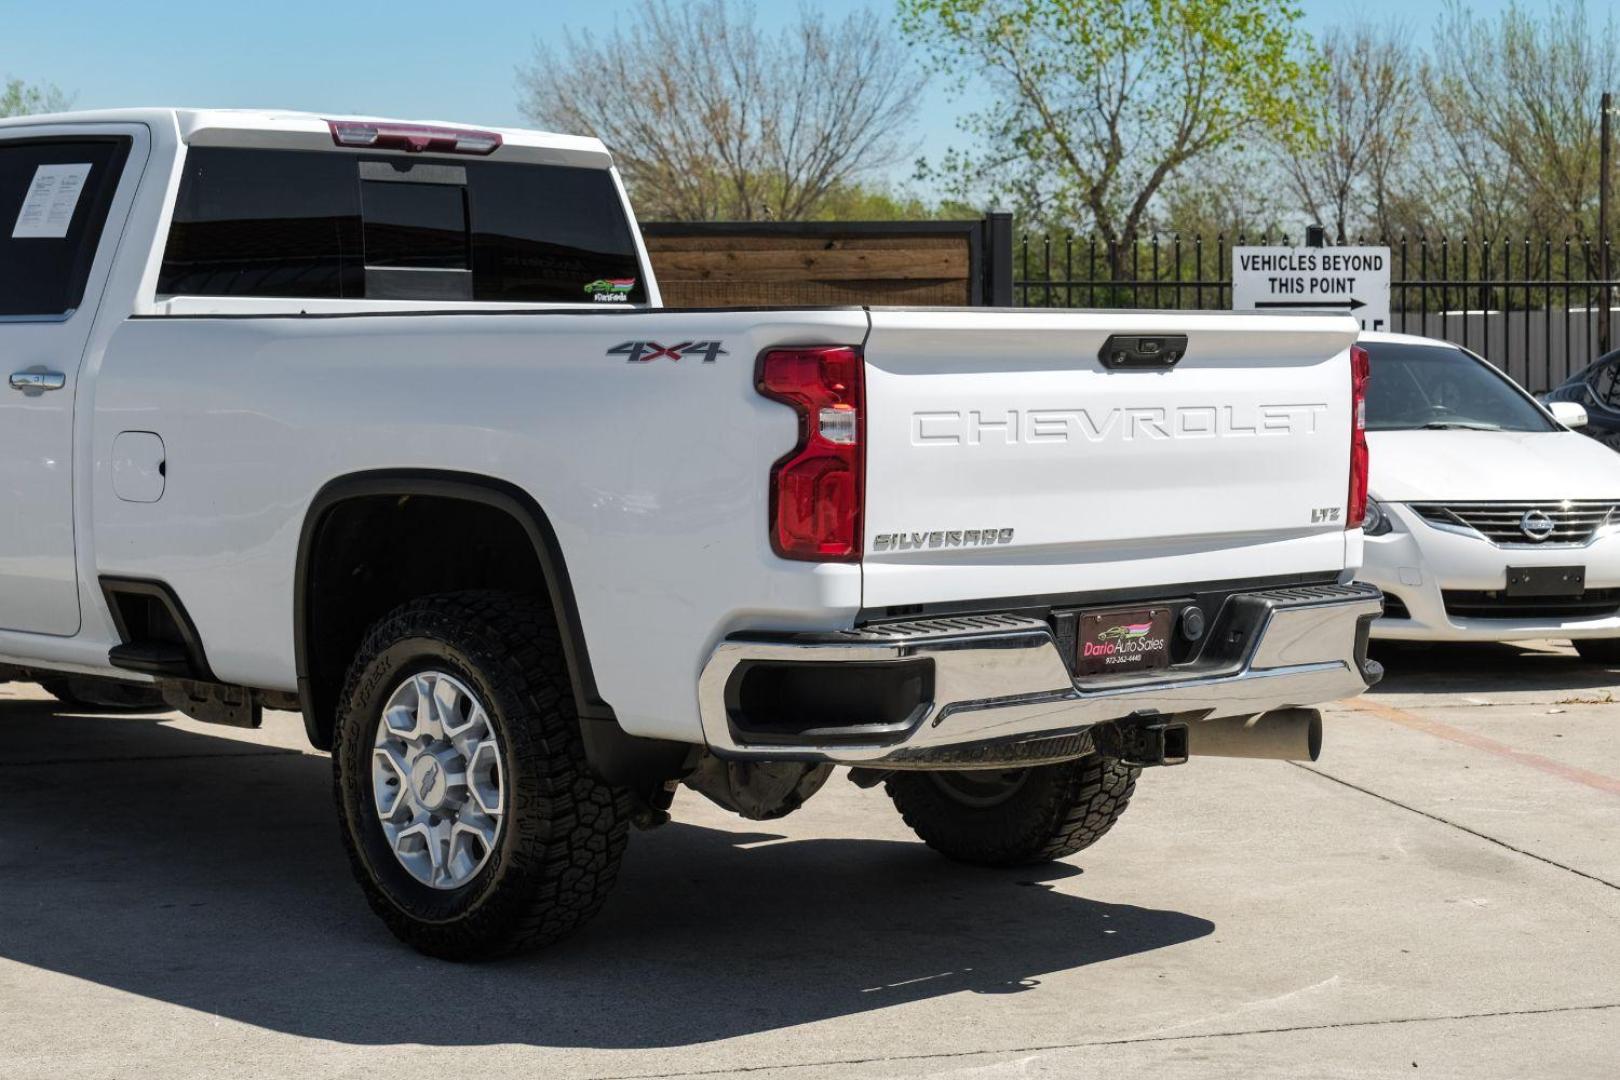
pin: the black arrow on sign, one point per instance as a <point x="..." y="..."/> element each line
<point x="1351" y="303"/>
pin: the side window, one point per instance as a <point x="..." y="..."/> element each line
<point x="1604" y="386"/>
<point x="54" y="198"/>
<point x="301" y="223"/>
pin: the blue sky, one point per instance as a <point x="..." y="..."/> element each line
<point x="404" y="58"/>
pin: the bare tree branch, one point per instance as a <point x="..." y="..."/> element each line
<point x="1514" y="103"/>
<point x="1365" y="124"/>
<point x="709" y="117"/>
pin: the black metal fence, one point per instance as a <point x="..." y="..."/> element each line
<point x="1533" y="307"/>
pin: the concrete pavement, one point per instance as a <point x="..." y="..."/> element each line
<point x="1439" y="896"/>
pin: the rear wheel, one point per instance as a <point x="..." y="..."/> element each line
<point x="471" y="819"/>
<point x="1605" y="651"/>
<point x="1016" y="817"/>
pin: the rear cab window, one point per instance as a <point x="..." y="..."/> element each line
<point x="337" y="225"/>
<point x="54" y="197"/>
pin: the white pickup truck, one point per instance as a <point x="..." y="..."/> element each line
<point x="383" y="422"/>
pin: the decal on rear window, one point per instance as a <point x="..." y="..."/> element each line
<point x="611" y="290"/>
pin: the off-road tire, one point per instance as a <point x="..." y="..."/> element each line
<point x="564" y="830"/>
<point x="1055" y="810"/>
<point x="102" y="695"/>
<point x="1605" y="651"/>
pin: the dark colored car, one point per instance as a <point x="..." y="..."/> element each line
<point x="1597" y="388"/>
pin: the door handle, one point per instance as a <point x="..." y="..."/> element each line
<point x="37" y="381"/>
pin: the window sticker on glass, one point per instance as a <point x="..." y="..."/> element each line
<point x="611" y="290"/>
<point x="47" y="208"/>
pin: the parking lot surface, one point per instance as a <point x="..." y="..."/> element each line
<point x="1438" y="896"/>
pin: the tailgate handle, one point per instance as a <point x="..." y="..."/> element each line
<point x="1143" y="350"/>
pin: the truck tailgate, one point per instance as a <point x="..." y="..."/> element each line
<point x="1005" y="460"/>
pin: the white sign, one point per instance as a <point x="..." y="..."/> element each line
<point x="47" y="209"/>
<point x="1353" y="280"/>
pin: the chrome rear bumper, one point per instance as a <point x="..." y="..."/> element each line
<point x="1000" y="682"/>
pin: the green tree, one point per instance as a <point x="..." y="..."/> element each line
<point x="1096" y="104"/>
<point x="18" y="98"/>
<point x="875" y="202"/>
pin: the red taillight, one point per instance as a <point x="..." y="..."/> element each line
<point x="817" y="490"/>
<point x="1360" y="372"/>
<point x="415" y="138"/>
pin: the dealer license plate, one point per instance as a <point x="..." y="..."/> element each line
<point x="1120" y="642"/>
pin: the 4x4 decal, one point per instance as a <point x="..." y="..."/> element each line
<point x="640" y="352"/>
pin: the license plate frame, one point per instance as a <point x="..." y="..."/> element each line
<point x="1119" y="652"/>
<point x="1537" y="581"/>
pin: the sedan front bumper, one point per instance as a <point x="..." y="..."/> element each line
<point x="1423" y="570"/>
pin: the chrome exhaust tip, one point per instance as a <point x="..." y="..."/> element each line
<point x="1279" y="735"/>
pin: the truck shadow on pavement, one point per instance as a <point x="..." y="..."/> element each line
<point x="1481" y="667"/>
<point x="206" y="872"/>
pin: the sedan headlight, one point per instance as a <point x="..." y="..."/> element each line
<point x="1377" y="521"/>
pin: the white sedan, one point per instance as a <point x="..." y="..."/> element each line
<point x="1490" y="520"/>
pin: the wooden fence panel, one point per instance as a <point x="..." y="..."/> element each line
<point x="790" y="264"/>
